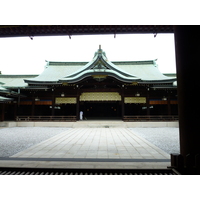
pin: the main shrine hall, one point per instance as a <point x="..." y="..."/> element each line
<point x="100" y="88"/>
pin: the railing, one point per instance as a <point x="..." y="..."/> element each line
<point x="151" y="118"/>
<point x="46" y="118"/>
<point x="84" y="171"/>
<point x="125" y="118"/>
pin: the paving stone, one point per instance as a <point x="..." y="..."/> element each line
<point x="112" y="143"/>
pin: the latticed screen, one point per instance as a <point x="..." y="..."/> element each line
<point x="100" y="96"/>
<point x="135" y="100"/>
<point x="66" y="100"/>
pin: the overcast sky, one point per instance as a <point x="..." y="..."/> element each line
<point x="25" y="56"/>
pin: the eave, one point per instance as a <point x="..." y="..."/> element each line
<point x="105" y="73"/>
<point x="30" y="82"/>
<point x="157" y="81"/>
<point x="164" y="87"/>
<point x="5" y="99"/>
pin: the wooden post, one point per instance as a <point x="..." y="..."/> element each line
<point x="33" y="106"/>
<point x="15" y="110"/>
<point x="187" y="42"/>
<point x="53" y="103"/>
<point x="18" y="103"/>
<point x="78" y="104"/>
<point x="147" y="102"/>
<point x="18" y="97"/>
<point x="168" y="103"/>
<point x="2" y="111"/>
<point x="122" y="97"/>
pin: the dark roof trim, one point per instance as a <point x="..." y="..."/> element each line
<point x="133" y="62"/>
<point x="66" y="63"/>
<point x="157" y="81"/>
<point x="56" y="30"/>
<point x="42" y="82"/>
<point x="164" y="87"/>
<point x="17" y="76"/>
<point x="35" y="88"/>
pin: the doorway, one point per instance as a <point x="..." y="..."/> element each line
<point x="101" y="110"/>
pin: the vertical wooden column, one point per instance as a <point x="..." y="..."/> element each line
<point x="78" y="104"/>
<point x="168" y="103"/>
<point x="15" y="110"/>
<point x="122" y="96"/>
<point x="2" y="106"/>
<point x="33" y="105"/>
<point x="18" y="102"/>
<point x="147" y="102"/>
<point x="53" y="103"/>
<point x="187" y="45"/>
<point x="18" y="97"/>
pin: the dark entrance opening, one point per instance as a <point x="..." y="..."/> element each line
<point x="101" y="110"/>
<point x="65" y="109"/>
<point x="135" y="109"/>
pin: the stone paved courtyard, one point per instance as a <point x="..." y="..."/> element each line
<point x="92" y="148"/>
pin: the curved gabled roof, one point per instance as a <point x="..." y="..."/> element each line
<point x="72" y="72"/>
<point x="100" y="66"/>
<point x="54" y="71"/>
<point x="146" y="70"/>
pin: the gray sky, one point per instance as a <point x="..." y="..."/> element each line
<point x="25" y="56"/>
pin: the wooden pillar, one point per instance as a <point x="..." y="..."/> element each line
<point x="187" y="43"/>
<point x="2" y="106"/>
<point x="53" y="103"/>
<point x="15" y="110"/>
<point x="147" y="102"/>
<point x="123" y="107"/>
<point x="18" y="102"/>
<point x="33" y="105"/>
<point x="168" y="103"/>
<point x="18" y="97"/>
<point x="78" y="104"/>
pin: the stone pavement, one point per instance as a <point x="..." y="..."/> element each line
<point x="92" y="148"/>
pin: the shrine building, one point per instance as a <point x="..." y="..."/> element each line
<point x="100" y="88"/>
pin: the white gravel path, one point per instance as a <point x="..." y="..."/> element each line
<point x="165" y="138"/>
<point x="16" y="139"/>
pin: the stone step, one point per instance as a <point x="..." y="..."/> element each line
<point x="91" y="124"/>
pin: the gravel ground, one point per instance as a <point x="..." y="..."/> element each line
<point x="165" y="138"/>
<point x="16" y="139"/>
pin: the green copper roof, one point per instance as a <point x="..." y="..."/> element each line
<point x="14" y="81"/>
<point x="5" y="99"/>
<point x="125" y="71"/>
<point x="100" y="66"/>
